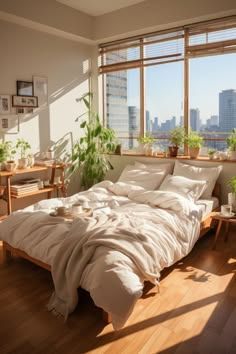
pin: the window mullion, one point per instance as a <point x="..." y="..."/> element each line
<point x="142" y="95"/>
<point x="186" y="88"/>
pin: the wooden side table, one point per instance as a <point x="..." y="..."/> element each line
<point x="222" y="221"/>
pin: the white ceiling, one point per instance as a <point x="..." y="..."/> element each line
<point x="98" y="7"/>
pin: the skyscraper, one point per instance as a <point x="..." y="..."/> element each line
<point x="195" y="122"/>
<point x="148" y="122"/>
<point x="134" y="119"/>
<point x="155" y="125"/>
<point x="227" y="110"/>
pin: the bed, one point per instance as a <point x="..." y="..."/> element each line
<point x="116" y="266"/>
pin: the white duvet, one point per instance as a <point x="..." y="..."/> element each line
<point x="131" y="237"/>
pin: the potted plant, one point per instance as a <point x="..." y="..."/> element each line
<point x="232" y="195"/>
<point x="211" y="153"/>
<point x="194" y="142"/>
<point x="145" y="144"/>
<point x="176" y="140"/>
<point x="89" y="155"/>
<point x="3" y="155"/>
<point x="23" y="146"/>
<point x="10" y="164"/>
<point x="231" y="143"/>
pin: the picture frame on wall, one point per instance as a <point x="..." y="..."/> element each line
<point x="24" y="88"/>
<point x="9" y="124"/>
<point x="5" y="104"/>
<point x="22" y="110"/>
<point x="24" y="101"/>
<point x="40" y="88"/>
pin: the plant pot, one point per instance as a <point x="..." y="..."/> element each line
<point x="118" y="149"/>
<point x="141" y="148"/>
<point x="232" y="155"/>
<point x="194" y="152"/>
<point x="22" y="163"/>
<point x="232" y="200"/>
<point x="2" y="166"/>
<point x="30" y="161"/>
<point x="173" y="151"/>
<point x="10" y="166"/>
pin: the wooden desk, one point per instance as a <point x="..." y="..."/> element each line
<point x="8" y="175"/>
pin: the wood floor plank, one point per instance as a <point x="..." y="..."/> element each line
<point x="194" y="313"/>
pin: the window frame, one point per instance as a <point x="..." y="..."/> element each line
<point x="190" y="51"/>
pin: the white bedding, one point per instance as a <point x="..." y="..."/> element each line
<point x="128" y="240"/>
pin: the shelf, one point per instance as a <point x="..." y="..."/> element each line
<point x="40" y="191"/>
<point x="20" y="171"/>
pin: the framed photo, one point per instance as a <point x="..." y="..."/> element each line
<point x="5" y="104"/>
<point x="40" y="84"/>
<point x="22" y="110"/>
<point x="24" y="88"/>
<point x="24" y="101"/>
<point x="9" y="124"/>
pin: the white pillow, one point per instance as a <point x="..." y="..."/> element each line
<point x="209" y="174"/>
<point x="168" y="167"/>
<point x="188" y="188"/>
<point x="149" y="179"/>
<point x="123" y="189"/>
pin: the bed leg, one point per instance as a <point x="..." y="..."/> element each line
<point x="106" y="317"/>
<point x="6" y="253"/>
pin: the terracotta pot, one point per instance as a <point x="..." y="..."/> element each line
<point x="194" y="152"/>
<point x="173" y="151"/>
<point x="232" y="200"/>
<point x="10" y="166"/>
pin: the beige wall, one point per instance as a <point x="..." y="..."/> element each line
<point x="157" y="14"/>
<point x="119" y="162"/>
<point x="65" y="63"/>
<point x="52" y="14"/>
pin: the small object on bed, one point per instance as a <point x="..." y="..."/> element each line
<point x="70" y="214"/>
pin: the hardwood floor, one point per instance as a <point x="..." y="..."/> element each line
<point x="195" y="311"/>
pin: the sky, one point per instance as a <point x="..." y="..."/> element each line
<point x="164" y="86"/>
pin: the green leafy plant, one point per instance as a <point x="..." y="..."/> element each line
<point x="231" y="140"/>
<point x="177" y="136"/>
<point x="194" y="140"/>
<point x="22" y="145"/>
<point x="3" y="151"/>
<point x="211" y="152"/>
<point x="146" y="139"/>
<point x="10" y="150"/>
<point x="89" y="154"/>
<point x="232" y="184"/>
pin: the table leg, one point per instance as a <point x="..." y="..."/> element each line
<point x="8" y="184"/>
<point x="217" y="233"/>
<point x="227" y="231"/>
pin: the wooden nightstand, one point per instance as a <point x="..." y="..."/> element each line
<point x="222" y="220"/>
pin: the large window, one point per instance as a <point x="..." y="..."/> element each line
<point x="182" y="77"/>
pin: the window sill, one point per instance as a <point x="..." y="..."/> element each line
<point x="181" y="157"/>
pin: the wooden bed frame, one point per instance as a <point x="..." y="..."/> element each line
<point x="206" y="225"/>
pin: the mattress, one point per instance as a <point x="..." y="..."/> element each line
<point x="207" y="205"/>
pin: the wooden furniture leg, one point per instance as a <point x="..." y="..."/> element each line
<point x="227" y="231"/>
<point x="8" y="185"/>
<point x="106" y="317"/>
<point x="217" y="233"/>
<point x="6" y="253"/>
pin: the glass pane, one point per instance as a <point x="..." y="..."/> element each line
<point x="123" y="105"/>
<point x="212" y="98"/>
<point x="163" y="98"/>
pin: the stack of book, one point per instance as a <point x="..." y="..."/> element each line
<point x="25" y="187"/>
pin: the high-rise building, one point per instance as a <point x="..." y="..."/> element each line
<point x="195" y="122"/>
<point x="155" y="125"/>
<point x="116" y="98"/>
<point x="134" y="119"/>
<point x="148" y="122"/>
<point x="227" y="110"/>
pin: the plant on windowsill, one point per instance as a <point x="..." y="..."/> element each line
<point x="10" y="164"/>
<point x="145" y="144"/>
<point x="89" y="155"/>
<point x="232" y="195"/>
<point x="177" y="140"/>
<point x="3" y="154"/>
<point x="22" y="146"/>
<point x="211" y="153"/>
<point x="194" y="142"/>
<point x="231" y="143"/>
